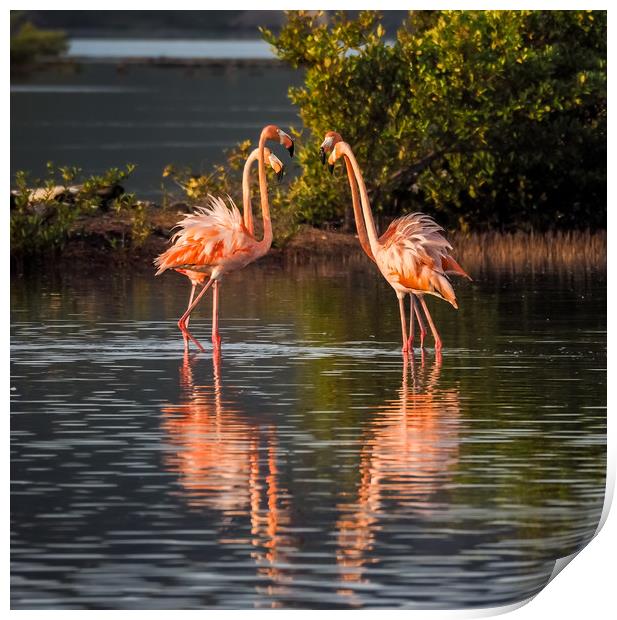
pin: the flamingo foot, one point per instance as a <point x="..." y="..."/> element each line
<point x="186" y="334"/>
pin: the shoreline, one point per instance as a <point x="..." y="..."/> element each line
<point x="153" y="61"/>
<point x="161" y="61"/>
<point x="104" y="240"/>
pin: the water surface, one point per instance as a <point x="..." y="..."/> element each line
<point x="169" y="48"/>
<point x="311" y="467"/>
<point x="102" y="116"/>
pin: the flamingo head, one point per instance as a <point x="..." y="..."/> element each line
<point x="275" y="163"/>
<point x="337" y="152"/>
<point x="272" y="132"/>
<point x="330" y="140"/>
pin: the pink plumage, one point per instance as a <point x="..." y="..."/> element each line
<point x="209" y="240"/>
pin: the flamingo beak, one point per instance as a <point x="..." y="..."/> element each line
<point x="322" y="155"/>
<point x="331" y="168"/>
<point x="287" y="142"/>
<point x="277" y="166"/>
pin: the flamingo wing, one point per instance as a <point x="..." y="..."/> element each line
<point x="206" y="237"/>
<point x="412" y="255"/>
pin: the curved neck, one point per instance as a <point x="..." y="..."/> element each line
<point x="357" y="213"/>
<point x="366" y="206"/>
<point x="266" y="242"/>
<point x="247" y="207"/>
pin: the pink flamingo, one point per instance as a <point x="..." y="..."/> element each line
<point x="199" y="278"/>
<point x="412" y="254"/>
<point x="216" y="240"/>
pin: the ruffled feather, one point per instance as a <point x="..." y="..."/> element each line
<point x="205" y="237"/>
<point x="415" y="255"/>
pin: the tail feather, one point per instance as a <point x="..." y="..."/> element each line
<point x="449" y="265"/>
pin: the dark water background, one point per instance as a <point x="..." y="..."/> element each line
<point x="99" y="116"/>
<point x="312" y="468"/>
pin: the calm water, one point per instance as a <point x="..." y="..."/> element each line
<point x="312" y="468"/>
<point x="169" y="48"/>
<point x="99" y="117"/>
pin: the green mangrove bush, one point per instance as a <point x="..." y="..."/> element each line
<point x="29" y="43"/>
<point x="44" y="210"/>
<point x="487" y="119"/>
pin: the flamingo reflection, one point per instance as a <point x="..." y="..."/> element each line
<point x="408" y="456"/>
<point x="218" y="456"/>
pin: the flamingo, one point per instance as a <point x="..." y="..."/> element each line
<point x="198" y="278"/>
<point x="215" y="240"/>
<point x="412" y="255"/>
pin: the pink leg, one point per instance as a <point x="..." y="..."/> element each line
<point x="401" y="305"/>
<point x="411" y="325"/>
<point x="216" y="338"/>
<point x="431" y="325"/>
<point x="185" y="316"/>
<point x="187" y="335"/>
<point x="190" y="301"/>
<point x="420" y="323"/>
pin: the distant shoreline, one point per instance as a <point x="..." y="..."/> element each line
<point x="162" y="61"/>
<point x="170" y="52"/>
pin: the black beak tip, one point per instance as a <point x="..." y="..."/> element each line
<point x="291" y="150"/>
<point x="279" y="175"/>
<point x="322" y="155"/>
<point x="331" y="168"/>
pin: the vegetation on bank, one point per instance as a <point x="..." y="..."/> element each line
<point x="44" y="212"/>
<point x="486" y="119"/>
<point x="29" y="43"/>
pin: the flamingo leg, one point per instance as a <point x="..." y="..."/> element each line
<point x="411" y="325"/>
<point x="187" y="335"/>
<point x="401" y="305"/>
<point x="194" y="285"/>
<point x="429" y="318"/>
<point x="420" y="323"/>
<point x="185" y="316"/>
<point x="216" y="338"/>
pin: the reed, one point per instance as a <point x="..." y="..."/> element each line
<point x="530" y="252"/>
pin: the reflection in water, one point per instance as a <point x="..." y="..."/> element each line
<point x="409" y="452"/>
<point x="217" y="458"/>
<point x="301" y="471"/>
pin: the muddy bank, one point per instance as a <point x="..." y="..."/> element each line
<point x="105" y="241"/>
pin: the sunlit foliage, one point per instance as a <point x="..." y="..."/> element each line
<point x="484" y="118"/>
<point x="44" y="210"/>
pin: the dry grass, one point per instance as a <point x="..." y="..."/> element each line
<point x="530" y="252"/>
